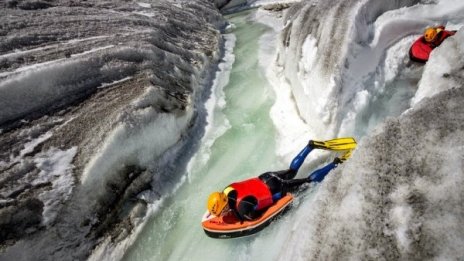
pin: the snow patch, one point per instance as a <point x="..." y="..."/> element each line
<point x="56" y="62"/>
<point x="19" y="53"/>
<point x="93" y="50"/>
<point x="308" y="57"/>
<point x="401" y="214"/>
<point x="256" y="3"/>
<point x="106" y="85"/>
<point x="29" y="146"/>
<point x="56" y="168"/>
<point x="145" y="13"/>
<point x="144" y="5"/>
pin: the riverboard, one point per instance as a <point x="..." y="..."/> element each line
<point x="229" y="226"/>
<point x="420" y="51"/>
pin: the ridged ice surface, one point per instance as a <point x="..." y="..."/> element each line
<point x="92" y="95"/>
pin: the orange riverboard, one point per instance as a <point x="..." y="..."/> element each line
<point x="228" y="225"/>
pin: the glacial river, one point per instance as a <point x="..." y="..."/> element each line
<point x="239" y="143"/>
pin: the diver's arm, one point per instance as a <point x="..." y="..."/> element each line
<point x="247" y="208"/>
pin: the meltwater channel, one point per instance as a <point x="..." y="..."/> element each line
<point x="239" y="143"/>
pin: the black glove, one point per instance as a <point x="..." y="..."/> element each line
<point x="337" y="160"/>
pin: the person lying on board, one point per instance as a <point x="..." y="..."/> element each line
<point x="248" y="199"/>
<point x="434" y="36"/>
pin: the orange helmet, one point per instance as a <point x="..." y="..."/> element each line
<point x="216" y="203"/>
<point x="430" y="34"/>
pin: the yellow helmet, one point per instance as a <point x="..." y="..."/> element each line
<point x="430" y="34"/>
<point x="216" y="203"/>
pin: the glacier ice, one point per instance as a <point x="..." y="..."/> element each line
<point x="94" y="97"/>
<point x="111" y="94"/>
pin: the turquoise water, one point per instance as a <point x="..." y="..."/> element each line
<point x="244" y="147"/>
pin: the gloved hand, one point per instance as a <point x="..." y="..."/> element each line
<point x="337" y="160"/>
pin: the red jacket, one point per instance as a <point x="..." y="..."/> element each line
<point x="256" y="188"/>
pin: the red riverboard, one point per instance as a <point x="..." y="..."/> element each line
<point x="420" y="51"/>
<point x="229" y="226"/>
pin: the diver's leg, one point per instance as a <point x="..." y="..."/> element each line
<point x="279" y="187"/>
<point x="295" y="165"/>
<point x="274" y="184"/>
<point x="292" y="185"/>
<point x="285" y="174"/>
<point x="319" y="175"/>
<point x="316" y="176"/>
<point x="299" y="159"/>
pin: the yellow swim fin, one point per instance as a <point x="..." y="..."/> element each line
<point x="338" y="144"/>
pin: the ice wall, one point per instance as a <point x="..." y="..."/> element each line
<point x="97" y="98"/>
<point x="329" y="55"/>
<point x="345" y="64"/>
<point x="399" y="196"/>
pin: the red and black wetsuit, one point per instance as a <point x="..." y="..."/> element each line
<point x="250" y="198"/>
